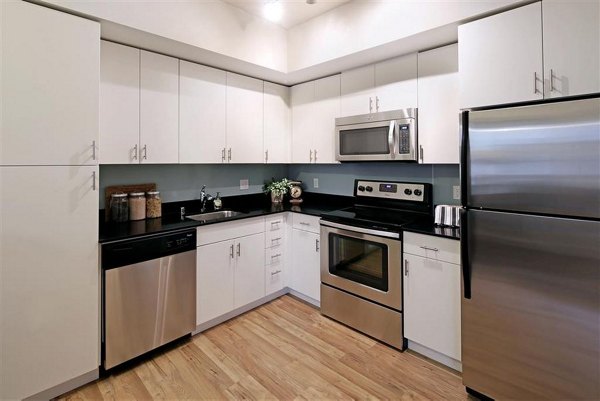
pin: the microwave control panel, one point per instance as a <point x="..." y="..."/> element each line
<point x="404" y="138"/>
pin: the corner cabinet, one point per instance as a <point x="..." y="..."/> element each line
<point x="315" y="106"/>
<point x="439" y="135"/>
<point x="277" y="123"/>
<point x="432" y="297"/>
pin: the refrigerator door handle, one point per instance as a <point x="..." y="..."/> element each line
<point x="464" y="145"/>
<point x="464" y="253"/>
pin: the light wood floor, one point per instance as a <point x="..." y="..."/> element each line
<point x="282" y="350"/>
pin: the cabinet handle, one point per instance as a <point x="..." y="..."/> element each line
<point x="223" y="155"/>
<point x="377" y="103"/>
<point x="273" y="223"/>
<point x="93" y="180"/>
<point x="93" y="150"/>
<point x="421" y="152"/>
<point x="535" y="79"/>
<point x="429" y="249"/>
<point x="239" y="249"/>
<point x="229" y="155"/>
<point x="275" y="272"/>
<point x="303" y="223"/>
<point x="135" y="152"/>
<point x="406" y="267"/>
<point x="145" y="149"/>
<point x="266" y="155"/>
<point x="275" y="256"/>
<point x="310" y="156"/>
<point x="552" y="80"/>
<point x="315" y="155"/>
<point x="275" y="240"/>
<point x="231" y="251"/>
<point x="370" y="105"/>
<point x="317" y="247"/>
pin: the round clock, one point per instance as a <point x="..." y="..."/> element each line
<point x="296" y="191"/>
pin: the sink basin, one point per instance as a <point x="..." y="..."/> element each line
<point x="211" y="216"/>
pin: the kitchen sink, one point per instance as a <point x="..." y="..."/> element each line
<point x="211" y="216"/>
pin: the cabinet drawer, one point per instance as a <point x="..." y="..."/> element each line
<point x="306" y="223"/>
<point x="428" y="246"/>
<point x="275" y="223"/>
<point x="274" y="256"/>
<point x="274" y="278"/>
<point x="229" y="230"/>
<point x="274" y="239"/>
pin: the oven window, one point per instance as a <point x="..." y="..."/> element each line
<point x="365" y="141"/>
<point x="361" y="261"/>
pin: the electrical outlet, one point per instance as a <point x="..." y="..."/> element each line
<point x="456" y="192"/>
<point x="315" y="183"/>
<point x="244" y="184"/>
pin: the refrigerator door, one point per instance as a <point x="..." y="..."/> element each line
<point x="531" y="327"/>
<point x="542" y="158"/>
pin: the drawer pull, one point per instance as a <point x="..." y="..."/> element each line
<point x="275" y="256"/>
<point x="429" y="249"/>
<point x="275" y="241"/>
<point x="275" y="272"/>
<point x="303" y="223"/>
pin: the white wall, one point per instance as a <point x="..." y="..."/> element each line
<point x="364" y="24"/>
<point x="207" y="24"/>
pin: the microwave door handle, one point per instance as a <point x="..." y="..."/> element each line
<point x="391" y="138"/>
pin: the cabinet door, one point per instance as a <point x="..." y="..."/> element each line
<point x="302" y="122"/>
<point x="396" y="83"/>
<point x="278" y="120"/>
<point x="244" y="119"/>
<point x="159" y="108"/>
<point x="306" y="264"/>
<point x="202" y="113"/>
<point x="358" y="91"/>
<point x="119" y="104"/>
<point x="500" y="58"/>
<point x="49" y="301"/>
<point x="432" y="304"/>
<point x="50" y="74"/>
<point x="214" y="280"/>
<point x="325" y="109"/>
<point x="571" y="47"/>
<point x="438" y="106"/>
<point x="249" y="282"/>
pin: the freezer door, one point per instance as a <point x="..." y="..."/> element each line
<point x="531" y="327"/>
<point x="541" y="158"/>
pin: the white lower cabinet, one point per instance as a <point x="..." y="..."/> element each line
<point x="306" y="275"/>
<point x="230" y="273"/>
<point x="432" y="298"/>
<point x="275" y="253"/>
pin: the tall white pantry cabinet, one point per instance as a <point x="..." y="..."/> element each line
<point x="49" y="292"/>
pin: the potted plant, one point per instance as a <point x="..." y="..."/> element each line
<point x="277" y="189"/>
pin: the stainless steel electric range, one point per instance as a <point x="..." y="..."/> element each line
<point x="361" y="256"/>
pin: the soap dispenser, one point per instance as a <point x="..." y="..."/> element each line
<point x="218" y="204"/>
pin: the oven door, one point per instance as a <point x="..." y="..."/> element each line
<point x="367" y="141"/>
<point x="364" y="262"/>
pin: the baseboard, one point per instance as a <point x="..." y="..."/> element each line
<point x="436" y="356"/>
<point x="65" y="387"/>
<point x="304" y="298"/>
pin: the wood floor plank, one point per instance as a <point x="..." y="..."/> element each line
<point x="284" y="350"/>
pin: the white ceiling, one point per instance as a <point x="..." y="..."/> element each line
<point x="294" y="11"/>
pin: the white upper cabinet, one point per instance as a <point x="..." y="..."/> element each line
<point x="358" y="91"/>
<point x="119" y="104"/>
<point x="277" y="123"/>
<point x="438" y="106"/>
<point x="315" y="106"/>
<point x="571" y="47"/>
<point x="396" y="83"/>
<point x="244" y="119"/>
<point x="50" y="73"/>
<point x="389" y="85"/>
<point x="202" y="114"/>
<point x="500" y="58"/>
<point x="159" y="108"/>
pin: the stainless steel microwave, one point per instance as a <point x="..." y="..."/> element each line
<point x="385" y="136"/>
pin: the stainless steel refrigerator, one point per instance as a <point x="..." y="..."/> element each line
<point x="530" y="245"/>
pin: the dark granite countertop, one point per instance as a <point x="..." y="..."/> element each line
<point x="254" y="205"/>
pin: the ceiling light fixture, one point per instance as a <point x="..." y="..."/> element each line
<point x="273" y="11"/>
<point x="311" y="1"/>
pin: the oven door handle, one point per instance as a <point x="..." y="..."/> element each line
<point x="360" y="229"/>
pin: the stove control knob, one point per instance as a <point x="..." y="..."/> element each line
<point x="418" y="192"/>
<point x="407" y="191"/>
<point x="369" y="189"/>
<point x="361" y="188"/>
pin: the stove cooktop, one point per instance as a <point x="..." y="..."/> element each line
<point x="375" y="218"/>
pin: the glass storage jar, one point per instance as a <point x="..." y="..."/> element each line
<point x="153" y="204"/>
<point x="119" y="208"/>
<point x="137" y="206"/>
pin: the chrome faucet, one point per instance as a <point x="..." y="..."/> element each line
<point x="204" y="197"/>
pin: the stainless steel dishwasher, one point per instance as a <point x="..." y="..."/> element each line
<point x="149" y="294"/>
